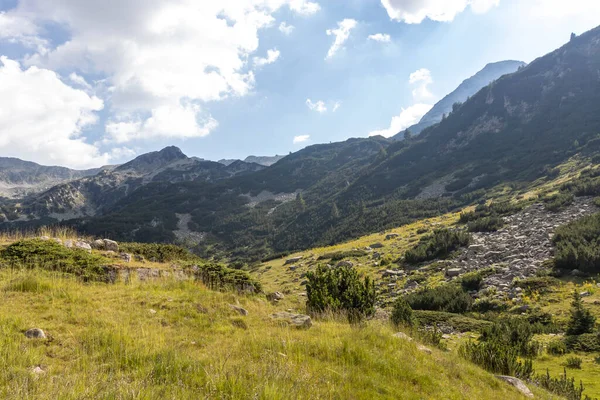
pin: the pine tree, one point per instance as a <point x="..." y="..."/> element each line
<point x="581" y="321"/>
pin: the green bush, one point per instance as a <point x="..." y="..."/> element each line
<point x="51" y="256"/>
<point x="581" y="320"/>
<point x="449" y="298"/>
<point x="439" y="245"/>
<point x="219" y="277"/>
<point x="484" y="305"/>
<point x="486" y="224"/>
<point x="578" y="245"/>
<point x="558" y="202"/>
<point x="557" y="348"/>
<point x="497" y="358"/>
<point x="573" y="362"/>
<point x="458" y="322"/>
<point x="340" y="289"/>
<point x="515" y="333"/>
<point x="471" y="281"/>
<point x="158" y="252"/>
<point x="587" y="342"/>
<point x="402" y="314"/>
<point x="562" y="386"/>
<point x="496" y="209"/>
<point x="539" y="284"/>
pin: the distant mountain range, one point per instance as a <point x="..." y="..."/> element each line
<point x="267" y="161"/>
<point x="512" y="131"/>
<point x="468" y="88"/>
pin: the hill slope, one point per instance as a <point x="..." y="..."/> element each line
<point x="466" y="89"/>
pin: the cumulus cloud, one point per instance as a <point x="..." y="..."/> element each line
<point x="408" y="117"/>
<point x="342" y="33"/>
<point x="272" y="56"/>
<point x="336" y="106"/>
<point x="420" y="80"/>
<point x="381" y="37"/>
<point x="162" y="60"/>
<point x="301" y="139"/>
<point x="43" y="118"/>
<point x="286" y="29"/>
<point x="318" y="106"/>
<point x="415" y="11"/>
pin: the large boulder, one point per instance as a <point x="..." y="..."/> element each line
<point x="517" y="383"/>
<point x="83" y="246"/>
<point x="453" y="272"/>
<point x="35" y="333"/>
<point x="292" y="260"/>
<point x="98" y="244"/>
<point x="111" y="245"/>
<point x="125" y="257"/>
<point x="275" y="297"/>
<point x="296" y="320"/>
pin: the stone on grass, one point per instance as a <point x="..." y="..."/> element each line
<point x="83" y="246"/>
<point x="403" y="336"/>
<point x="98" y="244"/>
<point x="35" y="333"/>
<point x="452" y="272"/>
<point x="125" y="257"/>
<point x="275" y="297"/>
<point x="297" y="320"/>
<point x="111" y="245"/>
<point x="239" y="310"/>
<point x="424" y="349"/>
<point x="292" y="260"/>
<point x="517" y="383"/>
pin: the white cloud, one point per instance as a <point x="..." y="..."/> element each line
<point x="286" y="29"/>
<point x="381" y="37"/>
<point x="342" y="33"/>
<point x="301" y="139"/>
<point x="159" y="56"/>
<point x="336" y="106"/>
<point x="408" y="117"/>
<point x="43" y="118"/>
<point x="561" y="9"/>
<point x="272" y="56"/>
<point x="421" y="79"/>
<point x="318" y="106"/>
<point x="79" y="80"/>
<point x="304" y="7"/>
<point x="165" y="122"/>
<point x="415" y="11"/>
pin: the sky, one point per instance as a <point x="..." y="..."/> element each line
<point x="86" y="83"/>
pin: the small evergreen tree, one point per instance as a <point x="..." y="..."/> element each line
<point x="300" y="203"/>
<point x="408" y="135"/>
<point x="402" y="314"/>
<point x="581" y="321"/>
<point x="340" y="289"/>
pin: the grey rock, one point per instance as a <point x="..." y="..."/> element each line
<point x="392" y="236"/>
<point x="98" y="244"/>
<point x="239" y="310"/>
<point x="376" y="246"/>
<point x="35" y="333"/>
<point x="292" y="260"/>
<point x="345" y="263"/>
<point x="275" y="296"/>
<point x="517" y="383"/>
<point x="83" y="246"/>
<point x="111" y="245"/>
<point x="296" y="320"/>
<point x="452" y="272"/>
<point x="403" y="336"/>
<point x="125" y="257"/>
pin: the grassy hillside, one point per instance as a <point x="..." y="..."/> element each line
<point x="173" y="339"/>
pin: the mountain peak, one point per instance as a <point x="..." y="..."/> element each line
<point x="154" y="160"/>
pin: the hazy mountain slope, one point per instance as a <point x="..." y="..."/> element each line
<point x="266" y="161"/>
<point x="18" y="177"/>
<point x="466" y="89"/>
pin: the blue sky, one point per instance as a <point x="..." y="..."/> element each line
<point x="89" y="82"/>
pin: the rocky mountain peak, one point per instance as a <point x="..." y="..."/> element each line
<point x="149" y="162"/>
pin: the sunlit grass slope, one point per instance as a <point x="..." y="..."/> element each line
<point x="178" y="340"/>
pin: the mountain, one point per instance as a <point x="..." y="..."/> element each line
<point x="508" y="134"/>
<point x="18" y="177"/>
<point x="468" y="88"/>
<point x="266" y="161"/>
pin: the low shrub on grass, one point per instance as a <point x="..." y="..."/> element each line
<point x="158" y="252"/>
<point x="402" y="314"/>
<point x="439" y="245"/>
<point x="340" y="289"/>
<point x="558" y="202"/>
<point x="450" y="298"/>
<point x="486" y="224"/>
<point x="51" y="256"/>
<point x="219" y="277"/>
<point x="340" y="255"/>
<point x="573" y="362"/>
<point x="557" y="348"/>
